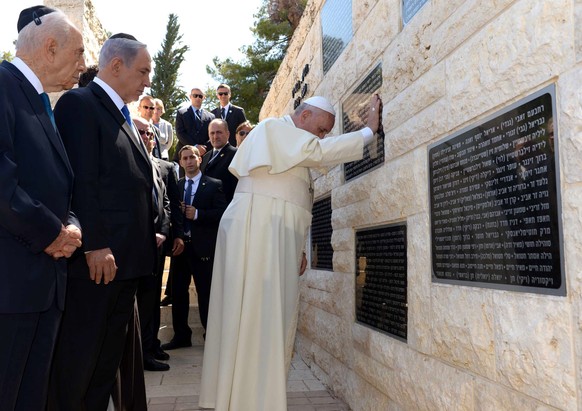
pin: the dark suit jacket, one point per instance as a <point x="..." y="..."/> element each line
<point x="36" y="183"/>
<point x="161" y="201"/>
<point x="157" y="151"/>
<point x="234" y="117"/>
<point x="171" y="181"/>
<point x="210" y="202"/>
<point x="188" y="133"/>
<point x="218" y="168"/>
<point x="112" y="195"/>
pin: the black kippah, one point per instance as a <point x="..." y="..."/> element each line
<point x="31" y="14"/>
<point x="123" y="36"/>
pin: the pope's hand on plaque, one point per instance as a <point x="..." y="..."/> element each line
<point x="375" y="113"/>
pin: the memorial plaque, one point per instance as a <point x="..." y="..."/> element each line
<point x="494" y="201"/>
<point x="410" y="8"/>
<point x="381" y="279"/>
<point x="336" y="25"/>
<point x="355" y="117"/>
<point x="321" y="250"/>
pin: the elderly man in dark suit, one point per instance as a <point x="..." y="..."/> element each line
<point x="233" y="115"/>
<point x="112" y="197"/>
<point x="215" y="163"/>
<point x="37" y="228"/>
<point x="203" y="206"/>
<point x="192" y="124"/>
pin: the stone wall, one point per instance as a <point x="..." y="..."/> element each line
<point x="82" y="14"/>
<point x="454" y="63"/>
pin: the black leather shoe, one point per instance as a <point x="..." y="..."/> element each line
<point x="161" y="355"/>
<point x="152" y="365"/>
<point x="167" y="300"/>
<point x="172" y="345"/>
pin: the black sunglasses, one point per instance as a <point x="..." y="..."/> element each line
<point x="243" y="133"/>
<point x="198" y="95"/>
<point x="148" y="107"/>
<point x="146" y="132"/>
<point x="222" y="93"/>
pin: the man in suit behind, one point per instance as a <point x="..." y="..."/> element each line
<point x="37" y="228"/>
<point x="203" y="206"/>
<point x="148" y="291"/>
<point x="233" y="115"/>
<point x="145" y="109"/>
<point x="192" y="125"/>
<point x="215" y="163"/>
<point x="112" y="197"/>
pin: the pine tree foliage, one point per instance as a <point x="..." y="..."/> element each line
<point x="251" y="78"/>
<point x="167" y="65"/>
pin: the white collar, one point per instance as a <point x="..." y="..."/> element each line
<point x="117" y="100"/>
<point x="194" y="179"/>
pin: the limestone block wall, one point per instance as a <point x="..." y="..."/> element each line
<point x="454" y="63"/>
<point x="82" y="14"/>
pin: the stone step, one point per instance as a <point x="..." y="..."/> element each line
<point x="167" y="331"/>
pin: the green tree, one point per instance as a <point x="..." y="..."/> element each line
<point x="251" y="78"/>
<point x="211" y="100"/>
<point x="167" y="64"/>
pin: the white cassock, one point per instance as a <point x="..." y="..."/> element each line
<point x="255" y="284"/>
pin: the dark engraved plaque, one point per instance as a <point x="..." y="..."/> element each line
<point x="381" y="279"/>
<point x="355" y="117"/>
<point x="410" y="8"/>
<point x="336" y="24"/>
<point x="321" y="250"/>
<point x="494" y="201"/>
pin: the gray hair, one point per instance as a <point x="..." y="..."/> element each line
<point x="220" y="121"/>
<point x="56" y="25"/>
<point x="123" y="48"/>
<point x="302" y="107"/>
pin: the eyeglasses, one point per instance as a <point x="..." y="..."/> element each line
<point x="222" y="93"/>
<point x="148" y="107"/>
<point x="198" y="95"/>
<point x="243" y="133"/>
<point x="146" y="132"/>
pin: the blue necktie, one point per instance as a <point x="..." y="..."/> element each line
<point x="47" y="107"/>
<point x="214" y="155"/>
<point x="188" y="201"/>
<point x="125" y="112"/>
<point x="222" y="113"/>
<point x="198" y="119"/>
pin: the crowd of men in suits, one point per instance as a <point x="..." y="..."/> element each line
<point x="90" y="208"/>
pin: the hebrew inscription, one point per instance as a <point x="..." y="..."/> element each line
<point x="381" y="279"/>
<point x="355" y="117"/>
<point x="494" y="204"/>
<point x="336" y="25"/>
<point x="410" y="8"/>
<point x="321" y="231"/>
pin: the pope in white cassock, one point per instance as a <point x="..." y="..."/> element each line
<point x="259" y="255"/>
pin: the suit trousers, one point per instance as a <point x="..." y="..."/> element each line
<point x="148" y="298"/>
<point x="129" y="393"/>
<point x="189" y="265"/>
<point x="91" y="343"/>
<point x="26" y="350"/>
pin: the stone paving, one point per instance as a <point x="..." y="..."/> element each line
<point x="178" y="388"/>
